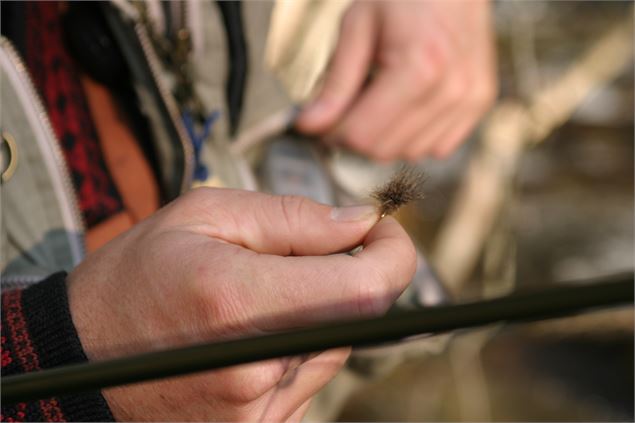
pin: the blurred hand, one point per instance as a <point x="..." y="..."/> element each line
<point x="218" y="264"/>
<point x="433" y="77"/>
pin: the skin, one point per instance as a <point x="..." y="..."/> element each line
<point x="433" y="78"/>
<point x="218" y="264"/>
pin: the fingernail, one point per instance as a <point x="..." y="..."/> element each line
<point x="353" y="213"/>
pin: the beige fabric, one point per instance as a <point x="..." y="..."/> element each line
<point x="301" y="39"/>
<point x="209" y="64"/>
<point x="264" y="95"/>
<point x="40" y="225"/>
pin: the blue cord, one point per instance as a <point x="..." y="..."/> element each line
<point x="201" y="172"/>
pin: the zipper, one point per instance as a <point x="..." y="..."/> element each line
<point x="173" y="114"/>
<point x="61" y="180"/>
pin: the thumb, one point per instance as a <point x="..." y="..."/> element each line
<point x="281" y="225"/>
<point x="347" y="72"/>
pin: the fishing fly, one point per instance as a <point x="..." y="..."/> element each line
<point x="405" y="186"/>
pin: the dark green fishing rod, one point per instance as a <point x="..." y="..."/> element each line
<point x="549" y="303"/>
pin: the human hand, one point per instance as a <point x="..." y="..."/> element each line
<point x="217" y="264"/>
<point x="433" y="77"/>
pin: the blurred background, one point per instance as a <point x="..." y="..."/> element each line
<point x="542" y="193"/>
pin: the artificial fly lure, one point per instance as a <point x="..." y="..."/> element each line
<point x="405" y="186"/>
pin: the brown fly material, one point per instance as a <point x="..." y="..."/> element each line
<point x="405" y="186"/>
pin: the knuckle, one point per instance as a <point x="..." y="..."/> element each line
<point x="291" y="207"/>
<point x="373" y="293"/>
<point x="209" y="304"/>
<point x="220" y="309"/>
<point x="192" y="204"/>
<point x="247" y="383"/>
<point x="423" y="72"/>
<point x="419" y="68"/>
<point x="196" y="196"/>
<point x="432" y="61"/>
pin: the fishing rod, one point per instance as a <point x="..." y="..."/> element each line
<point x="530" y="306"/>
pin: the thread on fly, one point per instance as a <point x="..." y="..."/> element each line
<point x="405" y="186"/>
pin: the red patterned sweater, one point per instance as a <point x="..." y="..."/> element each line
<point x="38" y="333"/>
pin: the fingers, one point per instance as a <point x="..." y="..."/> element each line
<point x="392" y="93"/>
<point x="347" y="72"/>
<point x="298" y="414"/>
<point x="280" y="225"/>
<point x="441" y="137"/>
<point x="279" y="387"/>
<point x="454" y="137"/>
<point x="295" y="292"/>
<point x="435" y="123"/>
<point x="289" y="399"/>
<point x="309" y="379"/>
<point x="397" y="138"/>
<point x="435" y="59"/>
<point x="456" y="111"/>
<point x="392" y="256"/>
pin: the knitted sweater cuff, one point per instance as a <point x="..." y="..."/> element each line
<point x="54" y="342"/>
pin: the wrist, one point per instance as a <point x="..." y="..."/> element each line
<point x="38" y="333"/>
